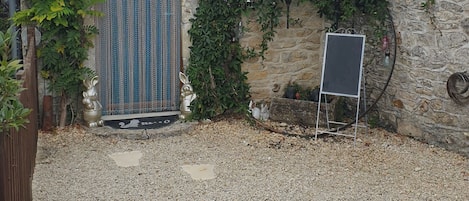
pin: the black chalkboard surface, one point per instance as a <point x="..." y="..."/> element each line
<point x="342" y="65"/>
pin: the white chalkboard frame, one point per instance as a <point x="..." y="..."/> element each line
<point x="342" y="73"/>
<point x="343" y="64"/>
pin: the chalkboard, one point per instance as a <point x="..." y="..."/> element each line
<point x="342" y="65"/>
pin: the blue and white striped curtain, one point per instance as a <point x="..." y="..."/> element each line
<point x="138" y="56"/>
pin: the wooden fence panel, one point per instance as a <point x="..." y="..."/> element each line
<point x="18" y="149"/>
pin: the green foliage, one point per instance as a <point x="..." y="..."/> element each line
<point x="64" y="44"/>
<point x="427" y="4"/>
<point x="268" y="13"/>
<point x="4" y="23"/>
<point x="65" y="40"/>
<point x="215" y="60"/>
<point x="216" y="54"/>
<point x="12" y="112"/>
<point x="344" y="10"/>
<point x="374" y="12"/>
<point x="4" y="16"/>
<point x="429" y="7"/>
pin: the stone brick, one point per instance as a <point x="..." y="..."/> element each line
<point x="436" y="104"/>
<point x="299" y="56"/>
<point x="445" y="16"/>
<point x="453" y="7"/>
<point x="259" y="92"/>
<point x="419" y="52"/>
<point x="260" y="75"/>
<point x="444" y="118"/>
<point x="449" y="26"/>
<point x="253" y="65"/>
<point x="453" y="40"/>
<point x="460" y="55"/>
<point x="307" y="76"/>
<point x="408" y="128"/>
<point x="286" y="43"/>
<point x="465" y="25"/>
<point x="304" y="33"/>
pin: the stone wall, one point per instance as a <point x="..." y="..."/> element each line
<point x="427" y="56"/>
<point x="188" y="10"/>
<point x="293" y="56"/>
<point x="416" y="103"/>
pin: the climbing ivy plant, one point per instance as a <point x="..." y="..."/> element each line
<point x="346" y="12"/>
<point x="64" y="44"/>
<point x="215" y="60"/>
<point x="216" y="54"/>
<point x="429" y="7"/>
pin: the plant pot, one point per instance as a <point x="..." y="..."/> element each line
<point x="290" y="92"/>
<point x="314" y="95"/>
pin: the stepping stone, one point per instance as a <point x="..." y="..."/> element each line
<point x="127" y="159"/>
<point x="200" y="172"/>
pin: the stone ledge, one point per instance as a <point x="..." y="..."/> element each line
<point x="299" y="112"/>
<point x="177" y="128"/>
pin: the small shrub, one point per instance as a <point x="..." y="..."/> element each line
<point x="12" y="112"/>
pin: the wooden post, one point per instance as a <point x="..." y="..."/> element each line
<point x="47" y="113"/>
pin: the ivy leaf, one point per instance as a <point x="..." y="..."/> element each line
<point x="61" y="49"/>
<point x="39" y="18"/>
<point x="56" y="8"/>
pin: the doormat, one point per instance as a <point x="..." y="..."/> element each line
<point x="142" y="123"/>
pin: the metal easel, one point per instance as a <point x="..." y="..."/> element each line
<point x="342" y="75"/>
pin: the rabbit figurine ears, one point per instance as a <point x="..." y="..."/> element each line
<point x="184" y="78"/>
<point x="261" y="113"/>
<point x="255" y="111"/>
<point x="90" y="83"/>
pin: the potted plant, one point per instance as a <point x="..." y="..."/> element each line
<point x="292" y="90"/>
<point x="314" y="94"/>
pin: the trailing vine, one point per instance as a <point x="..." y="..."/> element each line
<point x="215" y="60"/>
<point x="64" y="46"/>
<point x="268" y="15"/>
<point x="429" y="7"/>
<point x="216" y="54"/>
<point x="346" y="12"/>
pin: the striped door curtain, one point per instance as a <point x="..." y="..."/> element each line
<point x="138" y="56"/>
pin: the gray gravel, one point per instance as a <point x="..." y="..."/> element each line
<point x="250" y="164"/>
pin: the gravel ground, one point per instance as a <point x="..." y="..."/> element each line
<point x="250" y="164"/>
